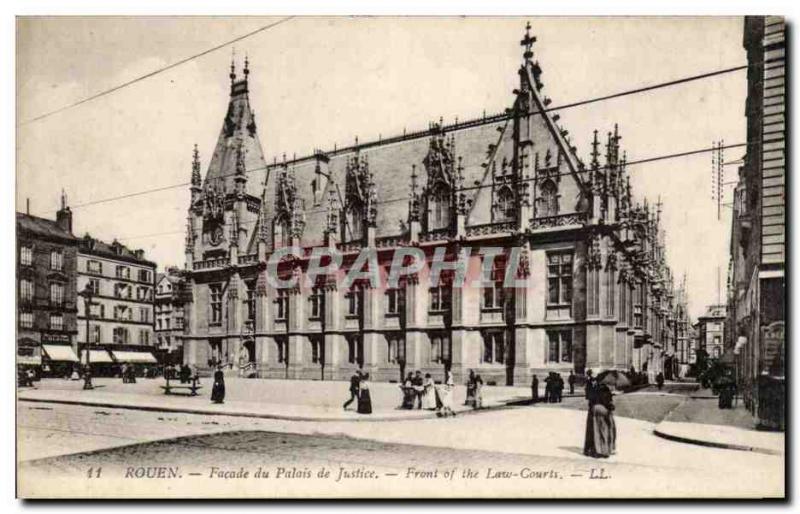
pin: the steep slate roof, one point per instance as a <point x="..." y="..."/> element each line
<point x="239" y="124"/>
<point x="43" y="227"/>
<point x="480" y="143"/>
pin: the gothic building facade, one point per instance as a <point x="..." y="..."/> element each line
<point x="597" y="289"/>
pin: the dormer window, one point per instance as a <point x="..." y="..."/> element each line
<point x="439" y="207"/>
<point x="354" y="222"/>
<point x="504" y="209"/>
<point x="549" y="199"/>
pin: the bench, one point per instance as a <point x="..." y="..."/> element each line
<point x="192" y="388"/>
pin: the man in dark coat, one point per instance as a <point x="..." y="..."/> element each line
<point x="571" y="382"/>
<point x="591" y="386"/>
<point x="559" y="389"/>
<point x="660" y="380"/>
<point x="535" y="389"/>
<point x="355" y="381"/>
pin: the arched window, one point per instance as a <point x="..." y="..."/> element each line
<point x="549" y="205"/>
<point x="280" y="232"/>
<point x="504" y="208"/>
<point x="439" y="207"/>
<point x="354" y="218"/>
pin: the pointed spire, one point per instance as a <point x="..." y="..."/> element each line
<point x="246" y="70"/>
<point x="528" y="42"/>
<point x="196" y="180"/>
<point x="595" y="152"/>
<point x="233" y="66"/>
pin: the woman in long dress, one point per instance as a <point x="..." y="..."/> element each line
<point x="364" y="398"/>
<point x="218" y="391"/>
<point x="428" y="393"/>
<point x="408" y="392"/>
<point x="471" y="386"/>
<point x="601" y="430"/>
<point x="478" y="392"/>
<point x="446" y="395"/>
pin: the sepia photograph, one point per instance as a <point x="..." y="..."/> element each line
<point x="400" y="257"/>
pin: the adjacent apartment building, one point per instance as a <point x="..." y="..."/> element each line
<point x="169" y="317"/>
<point x="120" y="317"/>
<point x="597" y="287"/>
<point x="757" y="281"/>
<point x="47" y="255"/>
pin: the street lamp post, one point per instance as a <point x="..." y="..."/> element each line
<point x="87" y="294"/>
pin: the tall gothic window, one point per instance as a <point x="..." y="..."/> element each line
<point x="549" y="199"/>
<point x="354" y="220"/>
<point x="559" y="278"/>
<point x="215" y="302"/>
<point x="280" y="232"/>
<point x="504" y="208"/>
<point x="439" y="207"/>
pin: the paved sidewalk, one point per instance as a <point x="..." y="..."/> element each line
<point x="699" y="420"/>
<point x="252" y="409"/>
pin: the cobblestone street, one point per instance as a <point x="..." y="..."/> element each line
<point x="540" y="437"/>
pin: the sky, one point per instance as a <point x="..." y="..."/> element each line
<point x="316" y="82"/>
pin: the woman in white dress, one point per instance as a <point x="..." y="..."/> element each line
<point x="446" y="395"/>
<point x="428" y="393"/>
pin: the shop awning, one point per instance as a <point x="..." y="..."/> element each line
<point x="60" y="353"/>
<point x="97" y="357"/>
<point x="134" y="357"/>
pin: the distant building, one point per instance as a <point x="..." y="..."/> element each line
<point x="46" y="294"/>
<point x="711" y="327"/>
<point x="121" y="314"/>
<point x="757" y="282"/>
<point x="169" y="315"/>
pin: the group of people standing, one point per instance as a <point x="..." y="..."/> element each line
<point x="423" y="393"/>
<point x="554" y="387"/>
<point x="128" y="373"/>
<point x="359" y="391"/>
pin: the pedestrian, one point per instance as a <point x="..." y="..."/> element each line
<point x="559" y="387"/>
<point x="548" y="387"/>
<point x="571" y="382"/>
<point x="124" y="373"/>
<point x="660" y="380"/>
<point x="418" y="383"/>
<point x="535" y="389"/>
<point x="355" y="380"/>
<point x="446" y="395"/>
<point x="218" y="390"/>
<point x="478" y="392"/>
<point x="727" y="390"/>
<point x="470" y="400"/>
<point x="408" y="392"/>
<point x="131" y="374"/>
<point x="591" y="383"/>
<point x="364" y="398"/>
<point x="601" y="429"/>
<point x="428" y="393"/>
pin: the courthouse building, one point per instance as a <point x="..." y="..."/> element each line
<point x="597" y="286"/>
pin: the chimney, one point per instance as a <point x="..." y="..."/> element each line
<point x="64" y="214"/>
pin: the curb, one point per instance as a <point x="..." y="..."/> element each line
<point x="713" y="444"/>
<point x="207" y="412"/>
